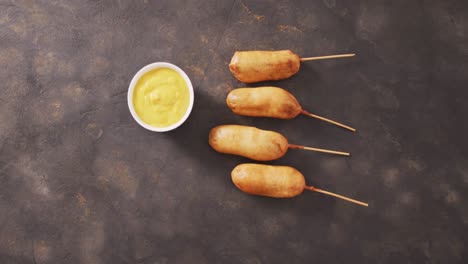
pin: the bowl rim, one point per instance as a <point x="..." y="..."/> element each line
<point x="131" y="89"/>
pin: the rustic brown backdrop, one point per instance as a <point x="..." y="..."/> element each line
<point x="81" y="182"/>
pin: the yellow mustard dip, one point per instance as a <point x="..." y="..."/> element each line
<point x="161" y="97"/>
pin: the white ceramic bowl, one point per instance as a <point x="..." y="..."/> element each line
<point x="131" y="88"/>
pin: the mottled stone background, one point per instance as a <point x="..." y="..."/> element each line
<point x="81" y="182"/>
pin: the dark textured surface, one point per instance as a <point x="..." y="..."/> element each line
<point x="81" y="182"/>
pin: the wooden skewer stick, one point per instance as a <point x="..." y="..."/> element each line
<point x="312" y="188"/>
<point x="292" y="146"/>
<point x="304" y="112"/>
<point x="328" y="57"/>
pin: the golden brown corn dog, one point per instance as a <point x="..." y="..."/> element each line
<point x="254" y="143"/>
<point x="249" y="142"/>
<point x="269" y="101"/>
<point x="275" y="181"/>
<point x="263" y="101"/>
<point x="257" y="66"/>
<point x="265" y="180"/>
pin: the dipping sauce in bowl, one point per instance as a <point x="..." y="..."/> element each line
<point x="160" y="97"/>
